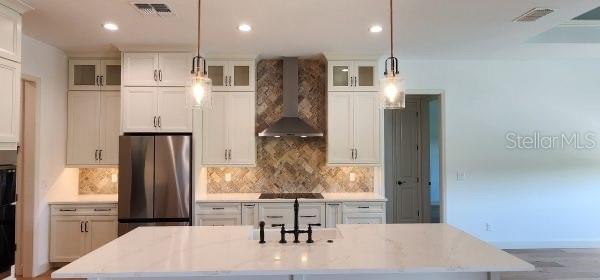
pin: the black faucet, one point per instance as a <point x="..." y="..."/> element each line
<point x="296" y="231"/>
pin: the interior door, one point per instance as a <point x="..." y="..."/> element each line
<point x="214" y="131"/>
<point x="141" y="69"/>
<point x="84" y="74"/>
<point x="407" y="199"/>
<point x="101" y="230"/>
<point x="110" y="74"/>
<point x="84" y="127"/>
<point x="241" y="127"/>
<point x="173" y="111"/>
<point x="110" y="121"/>
<point x="366" y="127"/>
<point x="174" y="69"/>
<point x="340" y="123"/>
<point x="140" y="109"/>
<point x="172" y="176"/>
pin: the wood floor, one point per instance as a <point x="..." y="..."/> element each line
<point x="551" y="264"/>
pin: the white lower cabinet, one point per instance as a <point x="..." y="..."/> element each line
<point x="283" y="213"/>
<point x="218" y="214"/>
<point x="363" y="213"/>
<point x="77" y="230"/>
<point x="333" y="214"/>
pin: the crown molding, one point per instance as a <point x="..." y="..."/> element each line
<point x="17" y="6"/>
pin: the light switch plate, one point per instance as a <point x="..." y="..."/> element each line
<point x="460" y="176"/>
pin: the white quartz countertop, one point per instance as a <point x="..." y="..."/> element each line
<point x="253" y="197"/>
<point x="83" y="199"/>
<point x="229" y="251"/>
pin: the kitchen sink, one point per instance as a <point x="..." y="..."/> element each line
<point x="319" y="235"/>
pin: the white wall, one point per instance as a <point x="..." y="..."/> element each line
<point x="49" y="64"/>
<point x="530" y="198"/>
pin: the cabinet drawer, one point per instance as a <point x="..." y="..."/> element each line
<point x="218" y="220"/>
<point x="283" y="213"/>
<point x="364" y="207"/>
<point x="364" y="218"/>
<point x="218" y="208"/>
<point x="87" y="210"/>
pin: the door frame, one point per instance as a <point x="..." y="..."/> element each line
<point x="442" y="129"/>
<point x="25" y="211"/>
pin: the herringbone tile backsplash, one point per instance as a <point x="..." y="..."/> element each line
<point x="291" y="164"/>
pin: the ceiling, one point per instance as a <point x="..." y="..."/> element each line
<point x="436" y="29"/>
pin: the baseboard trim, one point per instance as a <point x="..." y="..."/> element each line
<point x="547" y="244"/>
<point x="41" y="269"/>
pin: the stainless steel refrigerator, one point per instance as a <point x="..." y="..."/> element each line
<point x="155" y="181"/>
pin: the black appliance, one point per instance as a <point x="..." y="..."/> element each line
<point x="8" y="186"/>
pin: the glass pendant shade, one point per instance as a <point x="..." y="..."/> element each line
<point x="201" y="91"/>
<point x="393" y="92"/>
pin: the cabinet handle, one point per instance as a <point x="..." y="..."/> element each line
<point x="101" y="80"/>
<point x="275" y="217"/>
<point x="102" y="209"/>
<point x="229" y="154"/>
<point x="154" y="121"/>
<point x="155" y="75"/>
<point x="333" y="204"/>
<point x="249" y="205"/>
<point x="100" y="155"/>
<point x="225" y="154"/>
<point x="81" y="226"/>
<point x="355" y="153"/>
<point x="160" y="75"/>
<point x="309" y="216"/>
<point x="218" y="208"/>
<point x="97" y="78"/>
<point x="352" y="152"/>
<point x="67" y="210"/>
<point x="364" y="207"/>
<point x="159" y="121"/>
<point x="96" y="155"/>
<point x="86" y="228"/>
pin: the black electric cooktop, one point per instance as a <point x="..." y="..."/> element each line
<point x="290" y="195"/>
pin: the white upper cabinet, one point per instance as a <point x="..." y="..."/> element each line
<point x="140" y="69"/>
<point x="156" y="109"/>
<point x="94" y="74"/>
<point x="167" y="69"/>
<point x="10" y="34"/>
<point x="10" y="94"/>
<point x="353" y="128"/>
<point x="228" y="136"/>
<point x="93" y="128"/>
<point x="231" y="75"/>
<point x="352" y="75"/>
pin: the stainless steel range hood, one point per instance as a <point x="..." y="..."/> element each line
<point x="290" y="124"/>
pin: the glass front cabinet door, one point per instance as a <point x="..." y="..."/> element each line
<point x="358" y="75"/>
<point x="231" y="75"/>
<point x="94" y="74"/>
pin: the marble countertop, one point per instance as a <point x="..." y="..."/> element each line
<point x="229" y="251"/>
<point x="253" y="197"/>
<point x="83" y="199"/>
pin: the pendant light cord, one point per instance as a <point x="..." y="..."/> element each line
<point x="199" y="17"/>
<point x="391" y="31"/>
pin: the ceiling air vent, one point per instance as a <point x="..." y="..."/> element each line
<point x="156" y="9"/>
<point x="533" y="15"/>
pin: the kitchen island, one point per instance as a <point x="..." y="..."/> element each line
<point x="399" y="251"/>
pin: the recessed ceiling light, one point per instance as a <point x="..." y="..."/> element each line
<point x="244" y="27"/>
<point x="110" y="26"/>
<point x="376" y="29"/>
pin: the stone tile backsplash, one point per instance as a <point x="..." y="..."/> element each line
<point x="291" y="164"/>
<point x="98" y="181"/>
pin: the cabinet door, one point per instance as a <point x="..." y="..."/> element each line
<point x="174" y="114"/>
<point x="84" y="74"/>
<point x="110" y="74"/>
<point x="10" y="35"/>
<point x="110" y="124"/>
<point x="364" y="218"/>
<point x="214" y="132"/>
<point x="100" y="230"/>
<point x="241" y="75"/>
<point x="365" y="75"/>
<point x="250" y="214"/>
<point x="241" y="128"/>
<point x="139" y="109"/>
<point x="366" y="127"/>
<point x="218" y="220"/>
<point x="218" y="72"/>
<point x="339" y="75"/>
<point x="67" y="238"/>
<point x="140" y="69"/>
<point x="174" y="69"/>
<point x="333" y="214"/>
<point x="10" y="100"/>
<point x="311" y="213"/>
<point x="84" y="127"/>
<point x="276" y="213"/>
<point x="340" y="131"/>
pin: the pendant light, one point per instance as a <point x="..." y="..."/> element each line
<point x="392" y="89"/>
<point x="201" y="91"/>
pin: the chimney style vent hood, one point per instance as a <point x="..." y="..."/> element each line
<point x="290" y="124"/>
